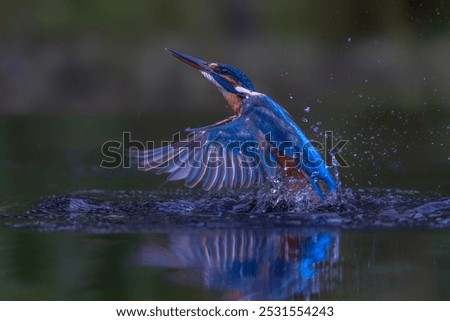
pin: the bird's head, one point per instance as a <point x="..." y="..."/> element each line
<point x="231" y="82"/>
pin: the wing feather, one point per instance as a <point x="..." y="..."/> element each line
<point x="264" y="124"/>
<point x="195" y="160"/>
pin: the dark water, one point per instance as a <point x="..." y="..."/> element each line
<point x="72" y="230"/>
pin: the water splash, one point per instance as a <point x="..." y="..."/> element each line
<point x="316" y="127"/>
<point x="280" y="203"/>
<point x="335" y="164"/>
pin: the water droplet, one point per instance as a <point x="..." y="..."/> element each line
<point x="305" y="120"/>
<point x="349" y="39"/>
<point x="307" y="109"/>
<point x="290" y="96"/>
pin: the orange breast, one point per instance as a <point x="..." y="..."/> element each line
<point x="235" y="103"/>
<point x="289" y="165"/>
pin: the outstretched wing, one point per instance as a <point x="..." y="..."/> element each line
<point x="233" y="153"/>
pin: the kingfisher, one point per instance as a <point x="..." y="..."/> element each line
<point x="255" y="144"/>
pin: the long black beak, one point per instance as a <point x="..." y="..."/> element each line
<point x="191" y="61"/>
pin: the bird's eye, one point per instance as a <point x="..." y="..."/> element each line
<point x="224" y="71"/>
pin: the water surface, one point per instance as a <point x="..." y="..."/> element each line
<point x="72" y="230"/>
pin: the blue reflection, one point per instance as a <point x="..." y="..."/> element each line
<point x="252" y="264"/>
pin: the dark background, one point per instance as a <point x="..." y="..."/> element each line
<point x="75" y="74"/>
<point x="107" y="56"/>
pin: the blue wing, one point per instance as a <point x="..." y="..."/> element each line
<point x="240" y="152"/>
<point x="232" y="153"/>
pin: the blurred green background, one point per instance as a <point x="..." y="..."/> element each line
<point x="74" y="74"/>
<point x="107" y="56"/>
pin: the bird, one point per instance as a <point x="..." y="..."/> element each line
<point x="260" y="140"/>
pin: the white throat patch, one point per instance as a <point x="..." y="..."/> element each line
<point x="246" y="91"/>
<point x="238" y="88"/>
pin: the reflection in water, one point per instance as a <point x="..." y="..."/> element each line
<point x="253" y="264"/>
